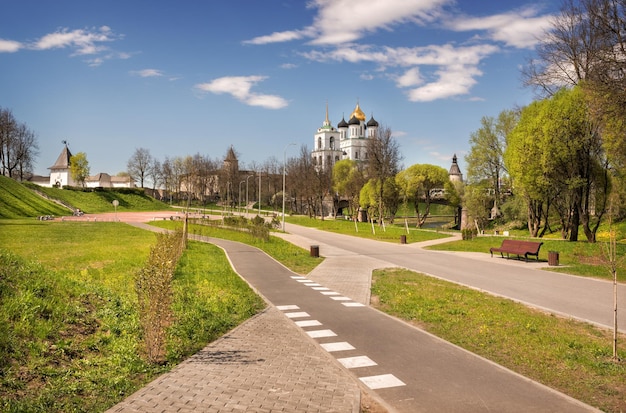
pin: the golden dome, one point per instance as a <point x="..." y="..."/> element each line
<point x="358" y="113"/>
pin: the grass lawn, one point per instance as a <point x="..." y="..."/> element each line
<point x="291" y="256"/>
<point x="69" y="330"/>
<point x="93" y="202"/>
<point x="578" y="258"/>
<point x="390" y="233"/>
<point x="570" y="356"/>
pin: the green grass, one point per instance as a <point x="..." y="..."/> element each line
<point x="17" y="201"/>
<point x="97" y="201"/>
<point x="578" y="258"/>
<point x="391" y="233"/>
<point x="69" y="331"/>
<point x="293" y="257"/>
<point x="567" y="355"/>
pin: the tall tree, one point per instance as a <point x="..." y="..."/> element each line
<point x="485" y="160"/>
<point x="417" y="182"/>
<point x="79" y="168"/>
<point x="523" y="159"/>
<point x="140" y="164"/>
<point x="348" y="180"/>
<point x="556" y="159"/>
<point x="383" y="163"/>
<point x="18" y="146"/>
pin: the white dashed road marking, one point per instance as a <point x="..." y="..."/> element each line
<point x="321" y="333"/>
<point x="299" y="314"/>
<point x="308" y="323"/>
<point x="287" y="307"/>
<point x="382" y="382"/>
<point x="338" y="346"/>
<point x="353" y="304"/>
<point x="358" y="361"/>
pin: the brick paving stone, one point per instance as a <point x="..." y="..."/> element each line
<point x="267" y="364"/>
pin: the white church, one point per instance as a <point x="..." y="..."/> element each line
<point x="347" y="141"/>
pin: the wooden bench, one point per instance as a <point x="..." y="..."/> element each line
<point x="519" y="248"/>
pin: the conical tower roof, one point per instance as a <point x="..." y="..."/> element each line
<point x="63" y="161"/>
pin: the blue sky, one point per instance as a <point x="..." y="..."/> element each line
<point x="187" y="77"/>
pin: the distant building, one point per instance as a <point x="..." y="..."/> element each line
<point x="347" y="141"/>
<point x="455" y="172"/>
<point x="61" y="176"/>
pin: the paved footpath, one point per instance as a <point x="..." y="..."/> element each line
<point x="318" y="345"/>
<point x="267" y="364"/>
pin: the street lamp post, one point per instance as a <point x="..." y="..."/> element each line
<point x="284" y="179"/>
<point x="259" y="193"/>
<point x="248" y="177"/>
<point x="239" y="196"/>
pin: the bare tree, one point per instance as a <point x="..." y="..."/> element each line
<point x="569" y="51"/>
<point x="383" y="163"/>
<point x="18" y="146"/>
<point x="139" y="165"/>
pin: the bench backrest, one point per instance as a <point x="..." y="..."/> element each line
<point x="530" y="246"/>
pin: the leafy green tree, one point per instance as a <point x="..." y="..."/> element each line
<point x="577" y="160"/>
<point x="417" y="184"/>
<point x="347" y="181"/>
<point x="523" y="159"/>
<point x="79" y="168"/>
<point x="556" y="159"/>
<point x="485" y="161"/>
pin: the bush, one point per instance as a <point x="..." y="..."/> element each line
<point x="153" y="285"/>
<point x="469" y="234"/>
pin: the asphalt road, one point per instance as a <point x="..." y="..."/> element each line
<point x="586" y="299"/>
<point x="434" y="375"/>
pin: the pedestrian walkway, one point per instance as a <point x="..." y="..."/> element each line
<point x="271" y="363"/>
<point x="267" y="364"/>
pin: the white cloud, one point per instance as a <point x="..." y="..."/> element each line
<point x="277" y="37"/>
<point x="453" y="80"/>
<point x="240" y="88"/>
<point x="344" y="21"/>
<point x="83" y="41"/>
<point x="426" y="73"/>
<point x="410" y="78"/>
<point x="455" y="68"/>
<point x="9" y="46"/>
<point x="147" y="73"/>
<point x="520" y="29"/>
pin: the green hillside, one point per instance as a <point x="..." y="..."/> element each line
<point x="17" y="201"/>
<point x="94" y="201"/>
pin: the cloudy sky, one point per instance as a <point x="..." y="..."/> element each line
<point x="187" y="77"/>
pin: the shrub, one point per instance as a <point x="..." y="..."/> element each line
<point x="153" y="285"/>
<point x="469" y="234"/>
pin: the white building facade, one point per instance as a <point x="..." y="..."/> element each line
<point x="347" y="141"/>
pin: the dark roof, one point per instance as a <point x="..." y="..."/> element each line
<point x="230" y="155"/>
<point x="342" y="123"/>
<point x="354" y="121"/>
<point x="63" y="161"/>
<point x="454" y="169"/>
<point x="372" y="122"/>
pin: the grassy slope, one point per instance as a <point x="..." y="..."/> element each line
<point x="101" y="201"/>
<point x="69" y="334"/>
<point x="17" y="201"/>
